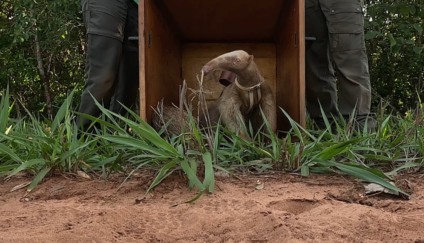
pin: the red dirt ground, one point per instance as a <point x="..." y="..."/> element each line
<point x="289" y="208"/>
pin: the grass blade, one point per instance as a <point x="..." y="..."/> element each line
<point x="368" y="175"/>
<point x="164" y="172"/>
<point x="62" y="112"/>
<point x="139" y="144"/>
<point x="209" y="180"/>
<point x="39" y="177"/>
<point x="191" y="175"/>
<point x="7" y="151"/>
<point x="336" y="149"/>
<point x="26" y="165"/>
<point x="4" y="110"/>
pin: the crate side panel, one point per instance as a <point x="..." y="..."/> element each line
<point x="291" y="64"/>
<point x="162" y="60"/>
<point x="224" y="20"/>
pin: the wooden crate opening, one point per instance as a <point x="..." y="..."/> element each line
<point x="177" y="37"/>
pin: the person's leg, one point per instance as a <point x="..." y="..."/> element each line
<point x="105" y="23"/>
<point x="126" y="91"/>
<point x="345" y="21"/>
<point x="320" y="77"/>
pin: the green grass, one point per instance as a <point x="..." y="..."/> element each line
<point x="126" y="144"/>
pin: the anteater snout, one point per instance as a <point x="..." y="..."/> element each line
<point x="206" y="69"/>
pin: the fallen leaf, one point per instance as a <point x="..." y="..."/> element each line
<point x="376" y="188"/>
<point x="20" y="186"/>
<point x="84" y="175"/>
<point x="222" y="174"/>
<point x="259" y="185"/>
<point x="8" y="130"/>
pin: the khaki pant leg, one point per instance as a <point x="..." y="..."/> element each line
<point x="345" y="21"/>
<point x="126" y="90"/>
<point x="105" y="24"/>
<point x="320" y="76"/>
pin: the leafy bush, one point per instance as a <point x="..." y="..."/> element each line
<point x="395" y="42"/>
<point x="41" y="52"/>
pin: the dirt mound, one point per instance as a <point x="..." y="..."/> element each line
<point x="285" y="208"/>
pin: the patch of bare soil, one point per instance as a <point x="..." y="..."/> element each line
<point x="283" y="208"/>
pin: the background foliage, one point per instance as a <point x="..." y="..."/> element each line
<point x="42" y="51"/>
<point x="395" y="41"/>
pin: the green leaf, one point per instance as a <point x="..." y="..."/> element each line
<point x="144" y="130"/>
<point x="74" y="151"/>
<point x="371" y="35"/>
<point x="27" y="165"/>
<point x="372" y="170"/>
<point x="377" y="157"/>
<point x="336" y="149"/>
<point x="106" y="161"/>
<point x="407" y="165"/>
<point x="198" y="195"/>
<point x="418" y="28"/>
<point x="367" y="175"/>
<point x="7" y="168"/>
<point x="4" y="110"/>
<point x="38" y="178"/>
<point x="138" y="144"/>
<point x="7" y="151"/>
<point x="392" y="41"/>
<point x="62" y="112"/>
<point x="412" y="9"/>
<point x="418" y="50"/>
<point x="191" y="175"/>
<point x="297" y="128"/>
<point x="209" y="180"/>
<point x="164" y="172"/>
<point x="404" y="10"/>
<point x="304" y="170"/>
<point x="193" y="165"/>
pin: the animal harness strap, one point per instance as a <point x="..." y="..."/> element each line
<point x="251" y="91"/>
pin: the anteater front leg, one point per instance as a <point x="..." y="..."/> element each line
<point x="269" y="108"/>
<point x="231" y="116"/>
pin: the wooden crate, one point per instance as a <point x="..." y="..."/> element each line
<point x="177" y="37"/>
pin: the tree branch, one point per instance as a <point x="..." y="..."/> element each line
<point x="44" y="78"/>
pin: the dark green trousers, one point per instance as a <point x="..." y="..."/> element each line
<point x="111" y="68"/>
<point x="338" y="26"/>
